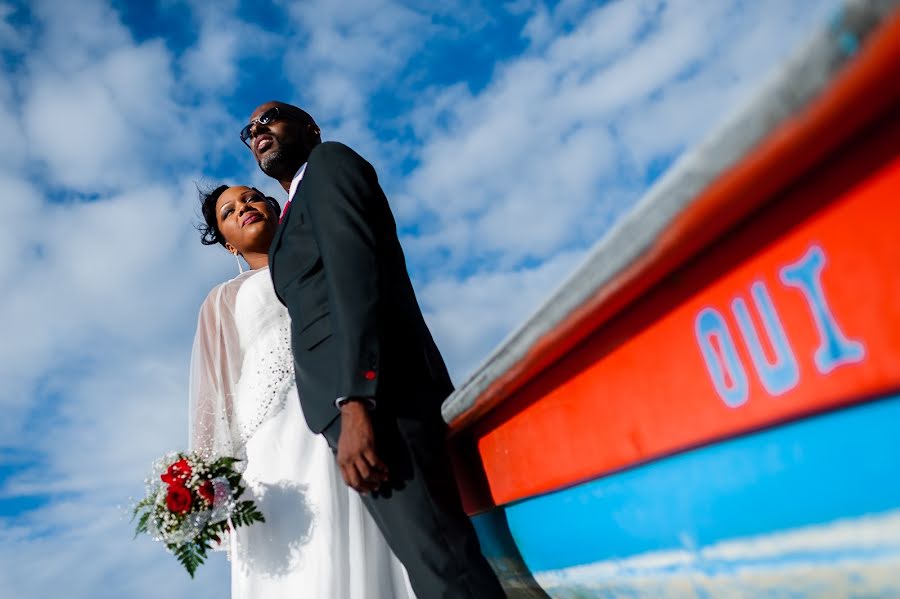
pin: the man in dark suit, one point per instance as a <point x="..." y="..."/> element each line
<point x="370" y="377"/>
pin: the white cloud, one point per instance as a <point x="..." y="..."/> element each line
<point x="211" y="64"/>
<point x="102" y="325"/>
<point x="478" y="312"/>
<point x="11" y="155"/>
<point x="100" y="296"/>
<point x="525" y="168"/>
<point x="10" y="37"/>
<point x="84" y="549"/>
<point x="102" y="112"/>
<point x="75" y="35"/>
<point x="96" y="104"/>
<point x="74" y="126"/>
<point x="349" y="49"/>
<point x="344" y="53"/>
<point x="120" y="270"/>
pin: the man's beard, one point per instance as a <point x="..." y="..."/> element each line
<point x="283" y="161"/>
<point x="275" y="163"/>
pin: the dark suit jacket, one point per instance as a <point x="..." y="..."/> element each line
<point x="357" y="330"/>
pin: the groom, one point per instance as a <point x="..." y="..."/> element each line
<point x="370" y="377"/>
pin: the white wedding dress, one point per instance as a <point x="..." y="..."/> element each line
<point x="318" y="540"/>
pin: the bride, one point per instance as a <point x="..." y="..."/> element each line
<point x="318" y="539"/>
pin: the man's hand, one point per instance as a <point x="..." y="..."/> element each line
<point x="356" y="457"/>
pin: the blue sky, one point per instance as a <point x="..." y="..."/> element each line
<point x="509" y="137"/>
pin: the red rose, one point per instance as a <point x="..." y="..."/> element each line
<point x="177" y="473"/>
<point x="178" y="500"/>
<point x="206" y="491"/>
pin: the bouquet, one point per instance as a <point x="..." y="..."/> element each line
<point x="190" y="504"/>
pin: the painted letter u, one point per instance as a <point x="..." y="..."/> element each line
<point x="782" y="374"/>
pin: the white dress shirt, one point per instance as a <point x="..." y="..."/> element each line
<point x="295" y="182"/>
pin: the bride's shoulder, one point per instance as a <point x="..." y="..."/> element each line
<point x="215" y="294"/>
<point x="225" y="292"/>
<point x="219" y="294"/>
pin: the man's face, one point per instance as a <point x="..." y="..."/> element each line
<point x="278" y="139"/>
<point x="270" y="138"/>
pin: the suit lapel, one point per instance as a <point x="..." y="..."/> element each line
<point x="279" y="233"/>
<point x="292" y="212"/>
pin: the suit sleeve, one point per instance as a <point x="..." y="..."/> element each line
<point x="343" y="203"/>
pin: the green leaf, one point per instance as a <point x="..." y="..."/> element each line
<point x="142" y="524"/>
<point x="145" y="502"/>
<point x="190" y="556"/>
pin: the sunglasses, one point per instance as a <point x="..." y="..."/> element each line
<point x="263" y="119"/>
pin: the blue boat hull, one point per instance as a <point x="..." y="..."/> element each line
<point x="810" y="508"/>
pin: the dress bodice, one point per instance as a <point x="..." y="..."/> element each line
<point x="267" y="370"/>
<point x="257" y="309"/>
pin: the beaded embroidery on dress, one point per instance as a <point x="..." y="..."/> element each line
<point x="267" y="372"/>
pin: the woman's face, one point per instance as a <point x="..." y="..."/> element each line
<point x="246" y="220"/>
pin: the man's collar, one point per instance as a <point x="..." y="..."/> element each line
<point x="295" y="183"/>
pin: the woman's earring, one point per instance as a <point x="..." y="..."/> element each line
<point x="237" y="257"/>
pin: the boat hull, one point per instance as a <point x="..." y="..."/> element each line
<point x="720" y="415"/>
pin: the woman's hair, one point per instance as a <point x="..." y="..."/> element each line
<point x="209" y="229"/>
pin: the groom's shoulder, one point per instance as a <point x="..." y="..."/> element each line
<point x="330" y="152"/>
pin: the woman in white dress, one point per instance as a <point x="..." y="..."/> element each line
<point x="318" y="539"/>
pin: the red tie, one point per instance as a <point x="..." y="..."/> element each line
<point x="283" y="212"/>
